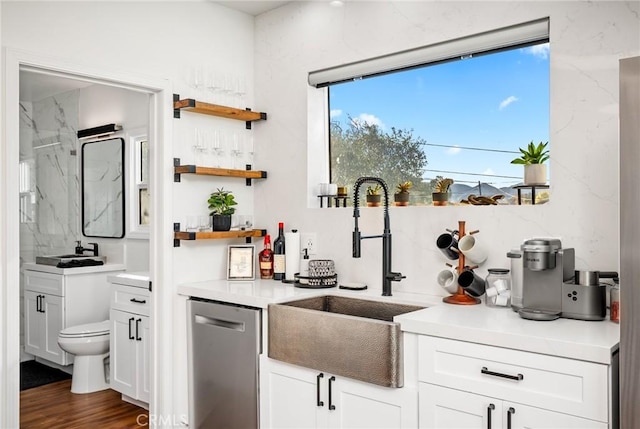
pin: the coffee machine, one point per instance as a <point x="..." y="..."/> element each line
<point x="546" y="266"/>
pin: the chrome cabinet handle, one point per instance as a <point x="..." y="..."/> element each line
<point x="331" y="380"/>
<point x="490" y="408"/>
<point x="131" y="337"/>
<point x="510" y="412"/>
<point x="499" y="374"/>
<point x="319" y="403"/>
<point x="138" y="301"/>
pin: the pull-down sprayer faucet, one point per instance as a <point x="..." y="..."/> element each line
<point x="387" y="275"/>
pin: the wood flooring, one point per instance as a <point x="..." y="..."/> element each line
<point x="53" y="406"/>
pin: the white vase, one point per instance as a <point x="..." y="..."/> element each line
<point x="535" y="174"/>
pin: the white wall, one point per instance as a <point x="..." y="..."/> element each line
<point x="587" y="39"/>
<point x="161" y="40"/>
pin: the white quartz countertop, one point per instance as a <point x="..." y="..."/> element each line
<point x="501" y="327"/>
<point x="136" y="279"/>
<point x="71" y="271"/>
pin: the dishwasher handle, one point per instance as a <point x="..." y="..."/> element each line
<point x="221" y="323"/>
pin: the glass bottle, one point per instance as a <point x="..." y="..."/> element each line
<point x="614" y="314"/>
<point x="278" y="254"/>
<point x="266" y="259"/>
<point x="498" y="288"/>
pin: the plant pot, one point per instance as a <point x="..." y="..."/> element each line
<point x="221" y="222"/>
<point x="440" y="198"/>
<point x="535" y="174"/>
<point x="373" y="200"/>
<point x="401" y="198"/>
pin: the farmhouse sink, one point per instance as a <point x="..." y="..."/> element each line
<point x="56" y="259"/>
<point x="351" y="337"/>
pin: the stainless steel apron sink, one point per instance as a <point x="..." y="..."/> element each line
<point x="351" y="337"/>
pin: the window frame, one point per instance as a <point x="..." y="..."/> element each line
<point x="135" y="229"/>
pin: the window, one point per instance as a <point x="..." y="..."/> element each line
<point x="139" y="218"/>
<point x="461" y="117"/>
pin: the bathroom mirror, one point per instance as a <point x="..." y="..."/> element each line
<point x="103" y="188"/>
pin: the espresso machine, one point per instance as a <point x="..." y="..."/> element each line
<point x="545" y="268"/>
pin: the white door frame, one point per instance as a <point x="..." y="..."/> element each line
<point x="160" y="133"/>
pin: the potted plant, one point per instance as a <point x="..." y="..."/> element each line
<point x="373" y="195"/>
<point x="533" y="158"/>
<point x="221" y="208"/>
<point x="401" y="197"/>
<point x="440" y="194"/>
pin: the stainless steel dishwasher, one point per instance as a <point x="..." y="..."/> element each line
<point x="224" y="344"/>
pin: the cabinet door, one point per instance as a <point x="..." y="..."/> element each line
<point x="33" y="324"/>
<point x="443" y="408"/>
<point x="289" y="396"/>
<point x="367" y="406"/>
<point x="123" y="353"/>
<point x="53" y="307"/>
<point x="143" y="358"/>
<point x="517" y="416"/>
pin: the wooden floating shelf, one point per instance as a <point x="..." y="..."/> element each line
<point x="192" y="105"/>
<point x="217" y="235"/>
<point x="248" y="174"/>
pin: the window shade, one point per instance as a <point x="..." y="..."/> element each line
<point x="519" y="35"/>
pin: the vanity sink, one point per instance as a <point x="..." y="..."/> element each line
<point x="56" y="259"/>
<point x="351" y="337"/>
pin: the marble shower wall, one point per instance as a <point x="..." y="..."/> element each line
<point x="50" y="205"/>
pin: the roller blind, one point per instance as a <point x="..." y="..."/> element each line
<point x="520" y="35"/>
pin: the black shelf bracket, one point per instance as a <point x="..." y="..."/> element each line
<point x="176" y="228"/>
<point x="247" y="124"/>
<point x="248" y="180"/>
<point x="176" y="112"/>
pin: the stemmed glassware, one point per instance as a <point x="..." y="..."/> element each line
<point x="237" y="150"/>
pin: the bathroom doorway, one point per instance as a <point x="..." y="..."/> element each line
<point x="58" y="78"/>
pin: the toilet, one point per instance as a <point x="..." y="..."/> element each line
<point x="90" y="346"/>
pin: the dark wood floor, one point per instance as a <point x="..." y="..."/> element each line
<point x="54" y="406"/>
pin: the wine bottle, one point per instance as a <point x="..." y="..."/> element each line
<point x="278" y="254"/>
<point x="266" y="259"/>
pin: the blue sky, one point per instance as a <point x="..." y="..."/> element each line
<point x="498" y="101"/>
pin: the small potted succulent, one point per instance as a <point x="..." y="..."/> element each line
<point x="440" y="193"/>
<point x="401" y="197"/>
<point x="533" y="158"/>
<point x="221" y="208"/>
<point x="373" y="195"/>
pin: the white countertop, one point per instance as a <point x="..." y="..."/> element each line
<point x="71" y="271"/>
<point x="135" y="279"/>
<point x="501" y="327"/>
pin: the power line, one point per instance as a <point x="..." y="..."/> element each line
<point x="474" y="174"/>
<point x="471" y="148"/>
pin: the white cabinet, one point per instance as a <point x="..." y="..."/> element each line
<point x="53" y="302"/>
<point x="465" y="385"/>
<point x="296" y="397"/>
<point x="130" y="340"/>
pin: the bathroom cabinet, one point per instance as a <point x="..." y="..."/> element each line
<point x="293" y="396"/>
<point x="53" y="302"/>
<point x="130" y="338"/>
<point x="475" y="385"/>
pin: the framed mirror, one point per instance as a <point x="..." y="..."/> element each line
<point x="103" y="188"/>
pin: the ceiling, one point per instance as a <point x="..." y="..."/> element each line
<point x="252" y="7"/>
<point x="35" y="86"/>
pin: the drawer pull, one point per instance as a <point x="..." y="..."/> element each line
<point x="138" y="301"/>
<point x="490" y="408"/>
<point x="331" y="406"/>
<point x="511" y="411"/>
<point x="319" y="403"/>
<point x="499" y="374"/>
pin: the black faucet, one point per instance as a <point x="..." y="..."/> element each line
<point x="80" y="250"/>
<point x="388" y="276"/>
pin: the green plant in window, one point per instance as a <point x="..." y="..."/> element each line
<point x="533" y="154"/>
<point x="374" y="190"/>
<point x="403" y="188"/>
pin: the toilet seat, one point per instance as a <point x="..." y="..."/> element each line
<point x="88" y="330"/>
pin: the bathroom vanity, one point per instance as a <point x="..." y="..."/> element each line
<point x="470" y="366"/>
<point x="56" y="298"/>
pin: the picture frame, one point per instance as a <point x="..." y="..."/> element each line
<point x="241" y="262"/>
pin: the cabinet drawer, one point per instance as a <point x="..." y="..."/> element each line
<point x="131" y="299"/>
<point x="36" y="281"/>
<point x="554" y="383"/>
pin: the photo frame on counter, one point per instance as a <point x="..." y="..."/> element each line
<point x="241" y="262"/>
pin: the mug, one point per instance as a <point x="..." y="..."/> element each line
<point x="447" y="243"/>
<point x="448" y="280"/>
<point x="473" y="284"/>
<point x="472" y="249"/>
